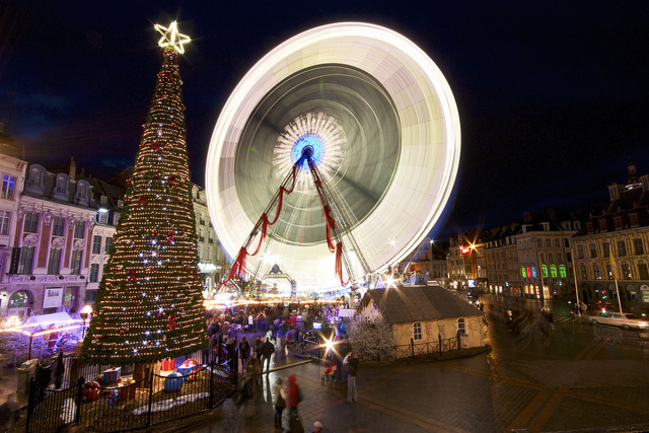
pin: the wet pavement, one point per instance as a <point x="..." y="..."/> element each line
<point x="563" y="382"/>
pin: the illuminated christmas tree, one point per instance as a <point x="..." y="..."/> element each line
<point x="150" y="305"/>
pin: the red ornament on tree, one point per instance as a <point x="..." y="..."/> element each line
<point x="172" y="321"/>
<point x="171" y="237"/>
<point x="142" y="200"/>
<point x="131" y="276"/>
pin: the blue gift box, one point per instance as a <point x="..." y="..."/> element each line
<point x="112" y="374"/>
<point x="186" y="370"/>
<point x="174" y="382"/>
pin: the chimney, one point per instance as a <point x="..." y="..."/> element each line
<point x="72" y="169"/>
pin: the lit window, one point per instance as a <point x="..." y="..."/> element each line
<point x="54" y="262"/>
<point x="75" y="262"/>
<point x="562" y="271"/>
<point x="553" y="271"/>
<point x="96" y="244"/>
<point x="26" y="260"/>
<point x="544" y="269"/>
<point x="8" y="183"/>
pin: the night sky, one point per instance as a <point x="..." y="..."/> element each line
<point x="553" y="96"/>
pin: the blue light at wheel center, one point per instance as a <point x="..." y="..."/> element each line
<point x="312" y="140"/>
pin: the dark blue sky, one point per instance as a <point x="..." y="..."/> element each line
<point x="553" y="96"/>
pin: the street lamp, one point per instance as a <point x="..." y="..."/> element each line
<point x="85" y="313"/>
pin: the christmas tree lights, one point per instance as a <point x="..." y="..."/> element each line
<point x="149" y="306"/>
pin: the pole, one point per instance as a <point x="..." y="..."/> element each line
<point x="29" y="356"/>
<point x="617" y="290"/>
<point x="576" y="286"/>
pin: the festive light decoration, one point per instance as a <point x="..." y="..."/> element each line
<point x="171" y="38"/>
<point x="149" y="304"/>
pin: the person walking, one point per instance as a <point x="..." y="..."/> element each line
<point x="266" y="350"/>
<point x="59" y="369"/>
<point x="280" y="403"/>
<point x="294" y="398"/>
<point x="244" y="351"/>
<point x="351" y="360"/>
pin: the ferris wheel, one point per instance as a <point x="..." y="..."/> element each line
<point x="357" y="106"/>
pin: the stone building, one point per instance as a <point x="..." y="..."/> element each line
<point x="425" y="314"/>
<point x="613" y="244"/>
<point x="51" y="248"/>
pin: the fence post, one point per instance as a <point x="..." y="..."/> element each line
<point x="439" y="337"/>
<point x="148" y="421"/>
<point x="459" y="345"/>
<point x="80" y="383"/>
<point x="412" y="347"/>
<point x="211" y="402"/>
<point x="30" y="401"/>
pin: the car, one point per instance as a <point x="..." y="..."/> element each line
<point x="623" y="320"/>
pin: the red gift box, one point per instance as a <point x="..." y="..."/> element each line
<point x="187" y="370"/>
<point x="126" y="392"/>
<point x="167" y="364"/>
<point x="112" y="374"/>
<point x="91" y="391"/>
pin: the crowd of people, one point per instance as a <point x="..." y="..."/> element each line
<point x="254" y="334"/>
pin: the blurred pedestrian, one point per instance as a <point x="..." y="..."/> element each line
<point x="244" y="351"/>
<point x="351" y="360"/>
<point x="280" y="403"/>
<point x="317" y="427"/>
<point x="9" y="413"/>
<point x="266" y="351"/>
<point x="59" y="370"/>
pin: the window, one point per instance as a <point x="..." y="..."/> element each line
<point x="94" y="272"/>
<point x="461" y="327"/>
<point x="91" y="296"/>
<point x="108" y="245"/>
<point x="544" y="269"/>
<point x="54" y="262"/>
<point x="102" y="217"/>
<point x="31" y="222"/>
<point x="523" y="273"/>
<point x="637" y="246"/>
<point x="633" y="218"/>
<point x="210" y="237"/>
<point x="545" y="226"/>
<point x="416" y="332"/>
<point x="96" y="244"/>
<point x="35" y="176"/>
<point x="201" y="238"/>
<point x="562" y="271"/>
<point x="609" y="271"/>
<point x="75" y="264"/>
<point x="61" y="185"/>
<point x="580" y="251"/>
<point x="550" y="257"/>
<point x="621" y="248"/>
<point x="539" y="243"/>
<point x="80" y="230"/>
<point x="602" y="225"/>
<point x="606" y="247"/>
<point x="201" y="220"/>
<point x="82" y="189"/>
<point x="5" y="218"/>
<point x="58" y="225"/>
<point x="626" y="271"/>
<point x="8" y="183"/>
<point x="548" y="243"/>
<point x="618" y="222"/>
<point x="553" y="271"/>
<point x="584" y="274"/>
<point x="597" y="272"/>
<point x="557" y="243"/>
<point x="26" y="260"/>
<point x="643" y="271"/>
<point x="593" y="251"/>
<point x="590" y="226"/>
<point x="533" y="272"/>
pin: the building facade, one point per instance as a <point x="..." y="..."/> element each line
<point x="612" y="248"/>
<point x="50" y="250"/>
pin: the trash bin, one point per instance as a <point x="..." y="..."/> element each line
<point x="25" y="372"/>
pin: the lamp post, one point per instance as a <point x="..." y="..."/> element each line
<point x="85" y="313"/>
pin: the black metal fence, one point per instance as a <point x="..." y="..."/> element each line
<point x="156" y="399"/>
<point x="430" y="349"/>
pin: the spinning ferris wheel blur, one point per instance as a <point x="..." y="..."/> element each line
<point x="381" y="128"/>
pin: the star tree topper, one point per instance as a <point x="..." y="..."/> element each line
<point x="171" y="38"/>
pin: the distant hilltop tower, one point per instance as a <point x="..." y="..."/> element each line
<point x="633" y="175"/>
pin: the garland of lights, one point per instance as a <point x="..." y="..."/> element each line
<point x="149" y="306"/>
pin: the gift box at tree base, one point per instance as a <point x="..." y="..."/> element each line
<point x="111" y="375"/>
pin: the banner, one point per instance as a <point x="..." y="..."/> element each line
<point x="52" y="298"/>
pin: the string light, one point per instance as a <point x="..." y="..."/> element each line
<point x="153" y="267"/>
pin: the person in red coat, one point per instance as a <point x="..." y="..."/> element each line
<point x="293" y="394"/>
